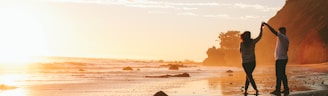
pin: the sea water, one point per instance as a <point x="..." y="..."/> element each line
<point x="63" y="70"/>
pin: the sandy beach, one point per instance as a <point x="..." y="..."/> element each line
<point x="304" y="80"/>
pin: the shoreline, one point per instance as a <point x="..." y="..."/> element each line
<point x="304" y="80"/>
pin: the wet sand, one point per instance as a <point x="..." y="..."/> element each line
<point x="304" y="80"/>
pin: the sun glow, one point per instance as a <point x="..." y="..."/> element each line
<point x="11" y="79"/>
<point x="21" y="35"/>
<point x="9" y="85"/>
<point x="16" y="92"/>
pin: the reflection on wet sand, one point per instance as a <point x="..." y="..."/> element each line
<point x="303" y="79"/>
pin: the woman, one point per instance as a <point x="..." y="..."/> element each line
<point x="247" y="50"/>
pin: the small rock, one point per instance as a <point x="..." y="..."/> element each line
<point x="160" y="93"/>
<point x="127" y="68"/>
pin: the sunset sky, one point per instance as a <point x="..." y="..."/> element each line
<point x="125" y="29"/>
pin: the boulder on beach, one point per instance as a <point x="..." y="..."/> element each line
<point x="167" y="76"/>
<point x="174" y="67"/>
<point x="229" y="71"/>
<point x="127" y="68"/>
<point x="161" y="76"/>
<point x="160" y="93"/>
<point x="181" y="75"/>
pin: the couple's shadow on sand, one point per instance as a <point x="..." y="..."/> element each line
<point x="250" y="94"/>
<point x="161" y="93"/>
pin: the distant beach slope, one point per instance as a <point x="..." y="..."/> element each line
<point x="307" y="28"/>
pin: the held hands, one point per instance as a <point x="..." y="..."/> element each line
<point x="263" y="23"/>
<point x="271" y="29"/>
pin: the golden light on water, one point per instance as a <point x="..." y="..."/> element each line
<point x="12" y="63"/>
<point x="8" y="85"/>
<point x="11" y="79"/>
<point x="16" y="92"/>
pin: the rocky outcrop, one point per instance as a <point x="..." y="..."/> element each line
<point x="306" y="22"/>
<point x="214" y="57"/>
<point x="167" y="76"/>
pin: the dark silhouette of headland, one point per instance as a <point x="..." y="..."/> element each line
<point x="228" y="52"/>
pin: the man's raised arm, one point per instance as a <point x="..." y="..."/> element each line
<point x="272" y="30"/>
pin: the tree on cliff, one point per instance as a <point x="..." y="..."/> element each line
<point x="229" y="40"/>
<point x="230" y="45"/>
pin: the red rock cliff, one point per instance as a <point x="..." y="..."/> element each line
<point x="306" y="22"/>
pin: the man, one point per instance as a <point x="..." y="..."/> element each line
<point x="282" y="45"/>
